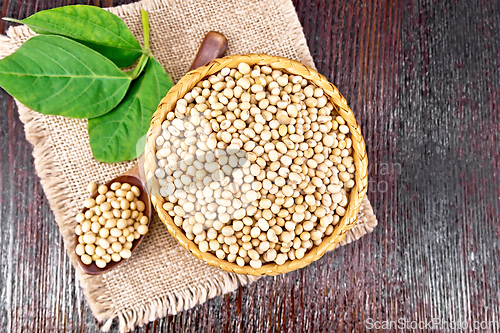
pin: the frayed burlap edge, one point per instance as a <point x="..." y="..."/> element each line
<point x="55" y="187"/>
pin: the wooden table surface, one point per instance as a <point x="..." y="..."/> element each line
<point x="423" y="80"/>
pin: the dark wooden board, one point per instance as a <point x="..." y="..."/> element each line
<point x="423" y="80"/>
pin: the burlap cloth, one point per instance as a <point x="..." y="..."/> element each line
<point x="161" y="277"/>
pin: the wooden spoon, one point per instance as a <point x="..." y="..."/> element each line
<point x="213" y="46"/>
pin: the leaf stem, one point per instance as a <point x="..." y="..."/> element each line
<point x="134" y="74"/>
<point x="10" y="19"/>
<point x="145" y="29"/>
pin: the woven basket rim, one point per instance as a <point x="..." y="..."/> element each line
<point x="185" y="84"/>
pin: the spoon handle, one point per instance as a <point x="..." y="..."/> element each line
<point x="138" y="170"/>
<point x="213" y="46"/>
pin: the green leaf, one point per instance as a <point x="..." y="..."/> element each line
<point x="97" y="28"/>
<point x="55" y="75"/>
<point x="114" y="136"/>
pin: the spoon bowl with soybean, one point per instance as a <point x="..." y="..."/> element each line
<point x="213" y="46"/>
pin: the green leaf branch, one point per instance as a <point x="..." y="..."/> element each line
<point x="72" y="70"/>
<point x="145" y="29"/>
<point x="147" y="53"/>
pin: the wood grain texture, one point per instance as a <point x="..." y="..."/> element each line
<point x="423" y="80"/>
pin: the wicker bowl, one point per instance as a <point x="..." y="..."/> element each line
<point x="357" y="193"/>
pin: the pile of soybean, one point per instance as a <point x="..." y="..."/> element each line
<point x="255" y="165"/>
<point x="112" y="222"/>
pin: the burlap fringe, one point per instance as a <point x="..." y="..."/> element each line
<point x="56" y="190"/>
<point x="6" y="46"/>
<point x="291" y="18"/>
<point x="367" y="221"/>
<point x="172" y="304"/>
